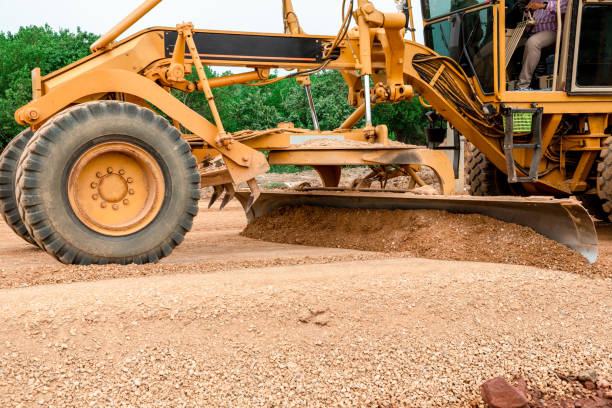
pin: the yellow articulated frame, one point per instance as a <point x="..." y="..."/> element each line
<point x="244" y="164"/>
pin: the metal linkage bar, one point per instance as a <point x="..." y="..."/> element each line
<point x="368" y="101"/>
<point x="186" y="30"/>
<point x="313" y="112"/>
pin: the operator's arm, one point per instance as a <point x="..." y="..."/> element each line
<point x="548" y="6"/>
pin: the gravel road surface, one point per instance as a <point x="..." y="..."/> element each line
<point x="233" y="322"/>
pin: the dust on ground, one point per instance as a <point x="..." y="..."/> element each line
<point x="430" y="234"/>
<point x="213" y="244"/>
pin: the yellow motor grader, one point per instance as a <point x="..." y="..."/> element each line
<point x="102" y="176"/>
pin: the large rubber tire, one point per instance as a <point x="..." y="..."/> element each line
<point x="604" y="179"/>
<point x="42" y="184"/>
<point x="9" y="160"/>
<point x="482" y="177"/>
<point x="594" y="206"/>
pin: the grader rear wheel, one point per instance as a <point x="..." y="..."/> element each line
<point x="108" y="182"/>
<point x="9" y="161"/>
<point x="604" y="179"/>
<point x="483" y="178"/>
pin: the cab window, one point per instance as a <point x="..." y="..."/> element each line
<point x="594" y="64"/>
<point x="437" y="36"/>
<point x="437" y="8"/>
<point x="478" y="40"/>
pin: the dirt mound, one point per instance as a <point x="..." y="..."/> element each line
<point x="419" y="233"/>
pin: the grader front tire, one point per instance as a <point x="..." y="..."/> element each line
<point x="108" y="182"/>
<point x="9" y="161"/>
<point x="604" y="179"/>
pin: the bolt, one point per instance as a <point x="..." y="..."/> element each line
<point x="94" y="184"/>
<point x="130" y="180"/>
<point x="121" y="172"/>
<point x="245" y="159"/>
<point x="33" y="114"/>
<point x="115" y="207"/>
<point x="109" y="170"/>
<point x="131" y="191"/>
<point x="95" y="196"/>
<point x="103" y="204"/>
<point x="99" y="174"/>
<point x="126" y="201"/>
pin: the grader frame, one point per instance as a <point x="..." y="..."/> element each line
<point x="143" y="68"/>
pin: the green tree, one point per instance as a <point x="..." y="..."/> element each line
<point x="252" y="107"/>
<point x="25" y="50"/>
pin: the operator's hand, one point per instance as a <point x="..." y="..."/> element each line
<point x="535" y="6"/>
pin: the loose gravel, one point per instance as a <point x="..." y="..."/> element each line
<point x="234" y="322"/>
<point x="383" y="333"/>
<point x="421" y="233"/>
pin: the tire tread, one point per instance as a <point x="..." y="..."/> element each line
<point x="29" y="193"/>
<point x="9" y="204"/>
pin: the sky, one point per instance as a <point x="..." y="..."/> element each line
<point x="316" y="16"/>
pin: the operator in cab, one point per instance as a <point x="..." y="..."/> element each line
<point x="541" y="35"/>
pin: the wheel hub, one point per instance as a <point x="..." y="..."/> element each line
<point x="116" y="188"/>
<point x="112" y="187"/>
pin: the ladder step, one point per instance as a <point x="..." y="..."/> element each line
<point x="535" y="145"/>
<point x="526" y="146"/>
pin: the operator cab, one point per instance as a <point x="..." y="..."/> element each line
<point x="485" y="36"/>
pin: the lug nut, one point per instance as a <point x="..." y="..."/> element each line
<point x="94" y="184"/>
<point x="126" y="201"/>
<point x="131" y="191"/>
<point x="121" y="172"/>
<point x="130" y="180"/>
<point x="115" y="207"/>
<point x="95" y="196"/>
<point x="33" y="114"/>
<point x="103" y="204"/>
<point x="109" y="170"/>
<point x="99" y="174"/>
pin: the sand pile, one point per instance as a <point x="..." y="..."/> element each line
<point x="420" y="233"/>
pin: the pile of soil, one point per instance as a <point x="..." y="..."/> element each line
<point x="430" y="234"/>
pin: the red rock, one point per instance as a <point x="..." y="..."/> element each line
<point x="566" y="403"/>
<point x="593" y="402"/>
<point x="499" y="393"/>
<point x="521" y="385"/>
<point x="608" y="394"/>
<point x="584" y="403"/>
<point x="589" y="385"/>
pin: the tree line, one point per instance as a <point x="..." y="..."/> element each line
<point x="241" y="107"/>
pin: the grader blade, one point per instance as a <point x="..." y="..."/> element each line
<point x="562" y="220"/>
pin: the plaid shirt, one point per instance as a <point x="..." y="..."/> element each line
<point x="546" y="18"/>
